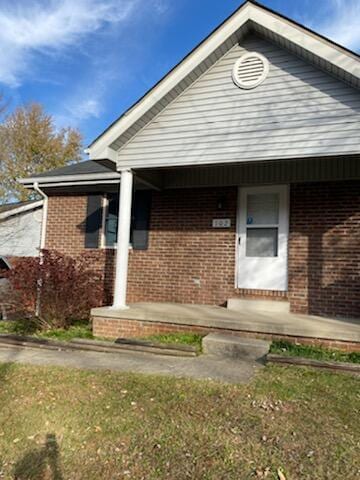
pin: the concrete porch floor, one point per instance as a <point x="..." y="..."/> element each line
<point x="263" y="322"/>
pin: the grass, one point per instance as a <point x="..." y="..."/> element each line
<point x="191" y="339"/>
<point x="18" y="327"/>
<point x="317" y="353"/>
<point x="28" y="327"/>
<point x="79" y="330"/>
<point x="64" y="423"/>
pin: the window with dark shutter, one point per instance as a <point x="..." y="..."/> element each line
<point x="140" y="219"/>
<point x="93" y="221"/>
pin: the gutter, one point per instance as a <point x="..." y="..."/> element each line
<point x="44" y="215"/>
<point x="42" y="244"/>
<point x="77" y="184"/>
<point x="69" y="178"/>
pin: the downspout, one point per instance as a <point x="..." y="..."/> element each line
<point x="44" y="216"/>
<point x="42" y="242"/>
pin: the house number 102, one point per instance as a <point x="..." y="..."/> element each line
<point x="221" y="223"/>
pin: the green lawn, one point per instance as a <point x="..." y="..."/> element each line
<point x="70" y="424"/>
<point x="28" y="327"/>
<point x="192" y="339"/>
<point x="318" y="353"/>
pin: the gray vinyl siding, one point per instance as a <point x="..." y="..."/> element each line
<point x="299" y="111"/>
<point x="20" y="234"/>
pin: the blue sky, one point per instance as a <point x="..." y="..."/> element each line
<point x="87" y="61"/>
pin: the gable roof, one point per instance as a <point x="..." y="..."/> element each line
<point x="16" y="208"/>
<point x="251" y="16"/>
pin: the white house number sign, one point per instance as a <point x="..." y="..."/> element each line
<point x="221" y="223"/>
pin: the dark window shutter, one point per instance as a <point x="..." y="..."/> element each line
<point x="93" y="221"/>
<point x="141" y="219"/>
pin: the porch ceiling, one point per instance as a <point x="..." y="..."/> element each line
<point x="346" y="167"/>
<point x="278" y="323"/>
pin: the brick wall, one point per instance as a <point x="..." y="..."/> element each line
<point x="324" y="249"/>
<point x="66" y="233"/>
<point x="190" y="262"/>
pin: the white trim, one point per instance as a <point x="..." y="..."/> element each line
<point x="104" y="208"/>
<point x="70" y="178"/>
<point x="294" y="33"/>
<point x="170" y="81"/>
<point x="44" y="218"/>
<point x="75" y="184"/>
<point x="237" y="237"/>
<point x="21" y="209"/>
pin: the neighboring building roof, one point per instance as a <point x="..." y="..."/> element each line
<point x="16" y="208"/>
<point x="251" y="16"/>
<point x="4" y="263"/>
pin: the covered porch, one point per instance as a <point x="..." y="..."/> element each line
<point x="142" y="319"/>
<point x="196" y="231"/>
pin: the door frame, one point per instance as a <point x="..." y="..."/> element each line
<point x="261" y="189"/>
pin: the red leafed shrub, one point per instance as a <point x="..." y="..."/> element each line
<point x="66" y="287"/>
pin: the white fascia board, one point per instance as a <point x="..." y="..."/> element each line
<point x="307" y="40"/>
<point x="70" y="178"/>
<point x="294" y="33"/>
<point x="77" y="184"/>
<point x="106" y="152"/>
<point x="22" y="209"/>
<point x="170" y="82"/>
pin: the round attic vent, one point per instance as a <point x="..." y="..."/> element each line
<point x="250" y="70"/>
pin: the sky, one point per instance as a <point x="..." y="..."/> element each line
<point x="87" y="61"/>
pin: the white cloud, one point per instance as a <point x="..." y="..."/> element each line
<point x="82" y="104"/>
<point x="28" y="28"/>
<point x="342" y="23"/>
<point x="88" y="107"/>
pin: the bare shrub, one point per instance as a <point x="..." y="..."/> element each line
<point x="66" y="287"/>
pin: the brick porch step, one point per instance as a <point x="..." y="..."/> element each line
<point x="235" y="346"/>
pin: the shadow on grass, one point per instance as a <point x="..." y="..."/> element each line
<point x="41" y="463"/>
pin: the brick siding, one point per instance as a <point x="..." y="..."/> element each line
<point x="324" y="249"/>
<point x="112" y="328"/>
<point x="190" y="262"/>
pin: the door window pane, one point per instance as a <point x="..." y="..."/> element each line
<point x="262" y="242"/>
<point x="263" y="209"/>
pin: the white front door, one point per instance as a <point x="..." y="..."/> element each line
<point x="263" y="226"/>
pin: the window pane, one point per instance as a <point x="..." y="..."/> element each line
<point x="111" y="221"/>
<point x="263" y="209"/>
<point x="262" y="242"/>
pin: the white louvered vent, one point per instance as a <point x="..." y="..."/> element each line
<point x="250" y="70"/>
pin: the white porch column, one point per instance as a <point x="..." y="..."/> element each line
<point x="123" y="239"/>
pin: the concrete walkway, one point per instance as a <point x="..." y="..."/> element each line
<point x="202" y="367"/>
